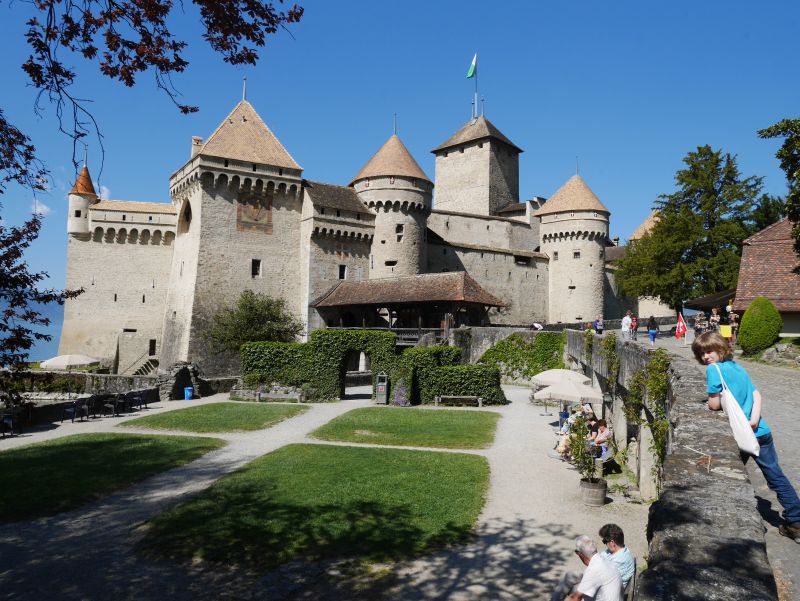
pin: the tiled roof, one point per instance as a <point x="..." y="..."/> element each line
<point x="615" y="253"/>
<point x="431" y="287"/>
<point x="575" y="195"/>
<point x="475" y="129"/>
<point x="336" y="197"/>
<point x="392" y="158"/>
<point x="514" y="207"/>
<point x="130" y="206"/>
<point x="243" y="136"/>
<point x="646" y="227"/>
<point x="518" y="252"/>
<point x="768" y="259"/>
<point x="83" y="185"/>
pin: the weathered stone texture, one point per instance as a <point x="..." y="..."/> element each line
<point x="496" y="232"/>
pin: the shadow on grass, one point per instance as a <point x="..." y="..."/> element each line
<point x="240" y="526"/>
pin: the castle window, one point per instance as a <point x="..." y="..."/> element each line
<point x="391" y="179"/>
<point x="572" y="214"/>
<point x="255" y="268"/>
<point x="480" y="144"/>
<point x="366" y="184"/>
<point x="322" y="210"/>
<point x="342" y="272"/>
<point x="555" y="256"/>
<point x="115" y="297"/>
<point x="358" y="216"/>
<point x="77" y="213"/>
<point x="124" y="218"/>
<point x="461" y="150"/>
<point x="519" y="260"/>
<point x="143" y="298"/>
<point x="129" y="330"/>
<point x="254" y="166"/>
<point x="226" y="162"/>
<point x="444" y="251"/>
<point x="444" y="154"/>
<point x="149" y="218"/>
<point x="571" y="287"/>
<point x="280" y="171"/>
<point x="602" y="253"/>
<point x="152" y="347"/>
<point x="338" y="213"/>
<point x="390" y="263"/>
<point x="576" y="254"/>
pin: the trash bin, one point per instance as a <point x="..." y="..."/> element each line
<point x="188" y="393"/>
<point x="562" y="417"/>
<point x="382" y="389"/>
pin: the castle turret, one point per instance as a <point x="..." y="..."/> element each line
<point x="396" y="188"/>
<point x="81" y="197"/>
<point x="574" y="230"/>
<point x="477" y="170"/>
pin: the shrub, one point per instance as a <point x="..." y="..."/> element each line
<point x="281" y="362"/>
<point x="761" y="326"/>
<point x="464" y="380"/>
<point x="516" y="357"/>
<point x="582" y="457"/>
<point x="418" y="365"/>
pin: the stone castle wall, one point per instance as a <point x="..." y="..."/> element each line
<point x="497" y="232"/>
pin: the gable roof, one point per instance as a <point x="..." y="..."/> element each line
<point x="473" y="130"/>
<point x="83" y="185"/>
<point x="575" y="195"/>
<point x="243" y="136"/>
<point x="514" y="207"/>
<point x="392" y="158"/>
<point x="429" y="287"/>
<point x="336" y="197"/>
<point x="768" y="259"/>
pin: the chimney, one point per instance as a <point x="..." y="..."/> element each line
<point x="615" y="240"/>
<point x="197" y="144"/>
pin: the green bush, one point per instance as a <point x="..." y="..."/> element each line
<point x="266" y="362"/>
<point x="464" y="380"/>
<point x="417" y="366"/>
<point x="761" y="326"/>
<point x="516" y="357"/>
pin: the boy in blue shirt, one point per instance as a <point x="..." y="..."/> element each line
<point x="710" y="349"/>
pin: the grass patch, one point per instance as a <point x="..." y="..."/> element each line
<point x="54" y="476"/>
<point x="313" y="502"/>
<point x="413" y="427"/>
<point x="218" y="417"/>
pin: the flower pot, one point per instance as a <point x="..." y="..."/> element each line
<point x="593" y="492"/>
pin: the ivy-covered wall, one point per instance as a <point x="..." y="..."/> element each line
<point x="519" y="358"/>
<point x="465" y="380"/>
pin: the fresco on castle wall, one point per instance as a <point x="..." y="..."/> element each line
<point x="254" y="212"/>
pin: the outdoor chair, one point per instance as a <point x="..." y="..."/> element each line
<point x="113" y="404"/>
<point x="79" y="409"/>
<point x="8" y="421"/>
<point x="137" y="399"/>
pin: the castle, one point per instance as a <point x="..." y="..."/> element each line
<point x="389" y="249"/>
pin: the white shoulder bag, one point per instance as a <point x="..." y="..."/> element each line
<point x="740" y="425"/>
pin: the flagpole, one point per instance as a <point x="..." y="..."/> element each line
<point x="475" y="116"/>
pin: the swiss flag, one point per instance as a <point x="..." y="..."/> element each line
<point x="681" y="329"/>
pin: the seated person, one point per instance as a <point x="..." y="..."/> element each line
<point x="603" y="438"/>
<point x="617" y="553"/>
<point x="600" y="580"/>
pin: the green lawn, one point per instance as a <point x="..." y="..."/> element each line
<point x="312" y="502"/>
<point x="54" y="476"/>
<point x="444" y="429"/>
<point x="218" y="417"/>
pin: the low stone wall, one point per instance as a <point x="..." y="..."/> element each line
<point x="705" y="532"/>
<point x="88" y="382"/>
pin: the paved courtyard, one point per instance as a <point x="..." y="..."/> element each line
<point x="523" y="541"/>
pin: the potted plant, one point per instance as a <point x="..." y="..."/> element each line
<point x="593" y="488"/>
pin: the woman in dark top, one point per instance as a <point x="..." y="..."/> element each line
<point x="652" y="329"/>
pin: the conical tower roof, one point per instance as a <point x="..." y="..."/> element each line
<point x="393" y="158"/>
<point x="575" y="195"/>
<point x="243" y="136"/>
<point x="475" y="129"/>
<point x="83" y="185"/>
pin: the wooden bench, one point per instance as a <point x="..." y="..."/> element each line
<point x="457" y="400"/>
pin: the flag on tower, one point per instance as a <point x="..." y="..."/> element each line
<point x="680" y="330"/>
<point x="473" y="67"/>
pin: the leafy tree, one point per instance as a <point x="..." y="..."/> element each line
<point x="19" y="295"/>
<point x="789" y="157"/>
<point x="124" y="38"/>
<point x="255" y="318"/>
<point x="768" y="210"/>
<point x="695" y="246"/>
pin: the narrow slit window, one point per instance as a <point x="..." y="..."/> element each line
<point x="255" y="268"/>
<point x="342" y="272"/>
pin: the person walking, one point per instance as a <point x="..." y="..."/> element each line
<point x="626" y="326"/>
<point x="713" y="351"/>
<point x="598" y="325"/>
<point x="652" y="330"/>
<point x="634" y="327"/>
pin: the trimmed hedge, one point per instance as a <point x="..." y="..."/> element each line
<point x="761" y="326"/>
<point x="417" y="366"/>
<point x="464" y="380"/>
<point x="267" y="362"/>
<point x="515" y="357"/>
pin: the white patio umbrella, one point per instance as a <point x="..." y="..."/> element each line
<point x="68" y="361"/>
<point x="557" y="376"/>
<point x="569" y="391"/>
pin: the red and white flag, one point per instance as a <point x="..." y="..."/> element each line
<point x="680" y="330"/>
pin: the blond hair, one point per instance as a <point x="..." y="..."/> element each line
<point x="711" y="341"/>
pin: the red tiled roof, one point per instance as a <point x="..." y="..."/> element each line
<point x="768" y="259"/>
<point x="83" y="185"/>
<point x="430" y="287"/>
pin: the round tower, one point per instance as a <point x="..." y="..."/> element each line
<point x="81" y="197"/>
<point x="574" y="231"/>
<point x="395" y="187"/>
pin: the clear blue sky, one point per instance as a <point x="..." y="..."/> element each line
<point x="629" y="87"/>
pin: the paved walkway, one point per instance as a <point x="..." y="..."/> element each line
<point x="780" y="389"/>
<point x="523" y="543"/>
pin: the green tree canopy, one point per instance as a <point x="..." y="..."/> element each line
<point x="789" y="156"/>
<point x="695" y="246"/>
<point x="255" y="318"/>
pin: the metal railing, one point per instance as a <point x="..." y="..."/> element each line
<point x="405" y="336"/>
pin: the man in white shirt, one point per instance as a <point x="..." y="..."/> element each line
<point x="626" y="326"/>
<point x="617" y="553"/>
<point x="601" y="581"/>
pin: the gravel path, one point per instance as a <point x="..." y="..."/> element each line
<point x="523" y="543"/>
